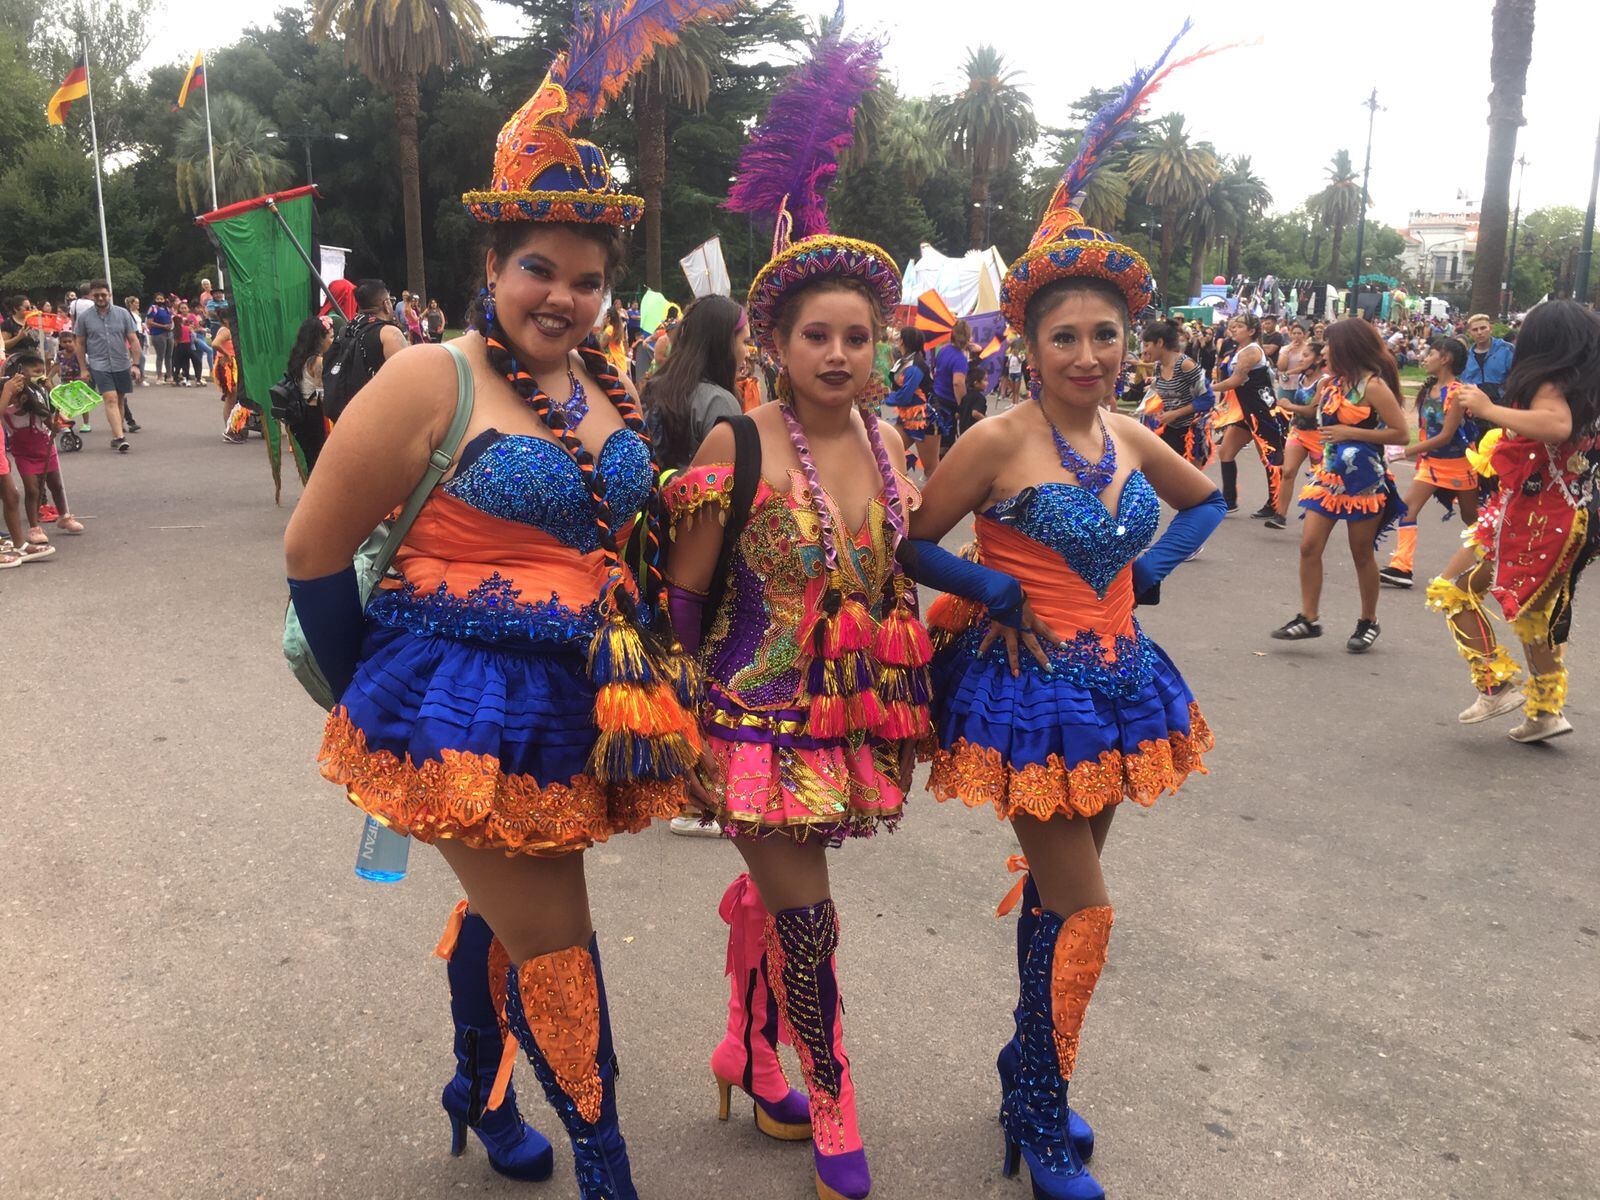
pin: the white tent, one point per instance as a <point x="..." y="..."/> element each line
<point x="969" y="284"/>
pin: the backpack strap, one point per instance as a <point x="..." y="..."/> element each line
<point x="746" y="476"/>
<point x="438" y="462"/>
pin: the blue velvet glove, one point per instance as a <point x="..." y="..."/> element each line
<point x="332" y="620"/>
<point x="930" y="563"/>
<point x="1186" y="533"/>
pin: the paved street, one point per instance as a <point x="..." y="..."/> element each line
<point x="1359" y="959"/>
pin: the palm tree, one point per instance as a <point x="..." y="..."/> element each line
<point x="1338" y="204"/>
<point x="1210" y="219"/>
<point x="681" y="72"/>
<point x="1248" y="198"/>
<point x="1511" y="49"/>
<point x="1105" y="200"/>
<point x="985" y="126"/>
<point x="395" y="43"/>
<point x="249" y="162"/>
<point x="906" y="140"/>
<point x="1174" y="174"/>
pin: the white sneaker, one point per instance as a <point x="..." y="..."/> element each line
<point x="687" y="826"/>
<point x="1541" y="728"/>
<point x="1507" y="699"/>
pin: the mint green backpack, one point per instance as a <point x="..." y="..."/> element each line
<point x="372" y="560"/>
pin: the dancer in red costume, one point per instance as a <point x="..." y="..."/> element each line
<point x="1538" y="531"/>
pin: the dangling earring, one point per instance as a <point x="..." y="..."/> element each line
<point x="486" y="302"/>
<point x="784" y="391"/>
<point x="1033" y="384"/>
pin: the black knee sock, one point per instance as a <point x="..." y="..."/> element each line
<point x="1230" y="484"/>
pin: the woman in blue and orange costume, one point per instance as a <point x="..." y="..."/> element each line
<point x="470" y="715"/>
<point x="910" y="397"/>
<point x="1441" y="454"/>
<point x="815" y="662"/>
<point x="1538" y="530"/>
<point x="1297" y="390"/>
<point x="1092" y="713"/>
<point x="1247" y="377"/>
<point x="1358" y="412"/>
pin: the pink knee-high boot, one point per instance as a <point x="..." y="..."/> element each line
<point x="800" y="969"/>
<point x="747" y="1056"/>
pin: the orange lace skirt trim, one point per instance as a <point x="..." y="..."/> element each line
<point x="466" y="797"/>
<point x="978" y="775"/>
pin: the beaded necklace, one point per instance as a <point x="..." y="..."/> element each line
<point x="1096" y="477"/>
<point x="819" y="505"/>
<point x="576" y="406"/>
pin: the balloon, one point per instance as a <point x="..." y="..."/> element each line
<point x="1220" y="280"/>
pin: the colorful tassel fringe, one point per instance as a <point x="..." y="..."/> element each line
<point x="645" y="707"/>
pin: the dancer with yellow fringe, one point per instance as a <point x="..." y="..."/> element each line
<point x="1538" y="531"/>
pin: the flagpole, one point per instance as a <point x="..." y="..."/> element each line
<point x="211" y="161"/>
<point x="211" y="153"/>
<point x="94" y="141"/>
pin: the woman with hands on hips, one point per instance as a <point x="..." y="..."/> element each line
<point x="1050" y="702"/>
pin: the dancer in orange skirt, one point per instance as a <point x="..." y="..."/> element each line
<point x="1441" y="453"/>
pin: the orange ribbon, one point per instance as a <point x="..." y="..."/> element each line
<point x="452" y="930"/>
<point x="1014" y="863"/>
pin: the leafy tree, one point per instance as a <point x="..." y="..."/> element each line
<point x="1173" y="173"/>
<point x="60" y="271"/>
<point x="395" y="44"/>
<point x="248" y="162"/>
<point x="987" y="125"/>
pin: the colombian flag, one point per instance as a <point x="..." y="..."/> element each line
<point x="196" y="79"/>
<point x="74" y="87"/>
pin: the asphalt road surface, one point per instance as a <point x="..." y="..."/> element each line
<point x="1359" y="959"/>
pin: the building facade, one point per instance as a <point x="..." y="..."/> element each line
<point x="1440" y="248"/>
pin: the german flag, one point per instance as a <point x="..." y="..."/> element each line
<point x="195" y="80"/>
<point x="74" y="87"/>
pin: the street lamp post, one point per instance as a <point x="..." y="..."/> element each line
<point x="1507" y="297"/>
<point x="308" y="136"/>
<point x="1361" y="222"/>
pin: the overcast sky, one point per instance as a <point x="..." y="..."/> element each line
<point x="1288" y="101"/>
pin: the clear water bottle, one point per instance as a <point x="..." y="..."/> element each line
<point x="382" y="855"/>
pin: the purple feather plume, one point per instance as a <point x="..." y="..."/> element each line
<point x="794" y="154"/>
<point x="1113" y="123"/>
<point x="612" y="39"/>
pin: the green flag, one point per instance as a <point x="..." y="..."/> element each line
<point x="270" y="289"/>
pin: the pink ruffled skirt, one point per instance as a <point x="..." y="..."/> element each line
<point x="780" y="780"/>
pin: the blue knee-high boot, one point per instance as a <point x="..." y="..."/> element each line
<point x="556" y="1008"/>
<point x="1064" y="960"/>
<point x="1027" y="918"/>
<point x="515" y="1150"/>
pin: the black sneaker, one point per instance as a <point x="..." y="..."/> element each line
<point x="1275" y="521"/>
<point x="1298" y="630"/>
<point x="1265" y="513"/>
<point x="131" y="425"/>
<point x="1232" y="508"/>
<point x="1361" y="640"/>
<point x="1395" y="577"/>
<point x="120" y="445"/>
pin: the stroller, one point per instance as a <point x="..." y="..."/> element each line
<point x="71" y="401"/>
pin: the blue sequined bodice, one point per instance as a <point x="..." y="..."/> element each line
<point x="532" y="480"/>
<point x="1073" y="522"/>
